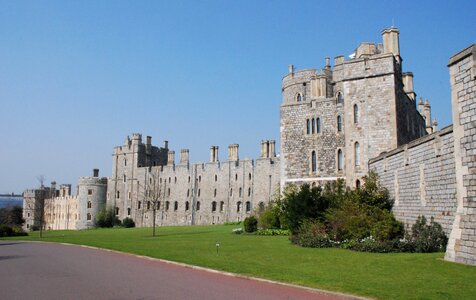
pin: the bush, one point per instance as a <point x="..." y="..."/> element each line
<point x="128" y="223"/>
<point x="269" y="218"/>
<point x="285" y="232"/>
<point x="5" y="230"/>
<point x="107" y="218"/>
<point x="428" y="237"/>
<point x="237" y="230"/>
<point x="250" y="224"/>
<point x="312" y="234"/>
<point x="232" y="223"/>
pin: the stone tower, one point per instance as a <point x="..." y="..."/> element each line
<point x="91" y="199"/>
<point x="334" y="120"/>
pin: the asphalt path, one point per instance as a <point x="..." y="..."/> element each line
<point x="30" y="270"/>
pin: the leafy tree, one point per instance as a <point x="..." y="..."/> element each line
<point x="107" y="218"/>
<point x="250" y="224"/>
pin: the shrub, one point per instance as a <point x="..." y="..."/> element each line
<point x="285" y="232"/>
<point x="428" y="237"/>
<point x="232" y="223"/>
<point x="237" y="230"/>
<point x="128" y="223"/>
<point x="311" y="234"/>
<point x="250" y="224"/>
<point x="5" y="230"/>
<point x="269" y="218"/>
<point x="107" y="218"/>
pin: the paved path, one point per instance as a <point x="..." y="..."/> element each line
<point x="56" y="271"/>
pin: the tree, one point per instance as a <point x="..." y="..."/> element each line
<point x="38" y="204"/>
<point x="12" y="216"/>
<point x="152" y="194"/>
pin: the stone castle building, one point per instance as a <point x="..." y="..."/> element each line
<point x="337" y="122"/>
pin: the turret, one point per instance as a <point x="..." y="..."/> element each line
<point x="391" y="42"/>
<point x="408" y="85"/>
<point x="427" y="116"/>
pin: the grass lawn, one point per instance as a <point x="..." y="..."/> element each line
<point x="383" y="276"/>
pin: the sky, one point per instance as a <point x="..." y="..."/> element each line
<point x="77" y="77"/>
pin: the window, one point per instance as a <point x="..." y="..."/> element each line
<point x="339" y="160"/>
<point x="340" y="98"/>
<point x="249" y="176"/>
<point x="231" y="192"/>
<point x="139" y="204"/>
<point x="238" y="206"/>
<point x="129" y="195"/>
<point x="308" y="126"/>
<point x="148" y="204"/>
<point x="339" y="123"/>
<point x="175" y="180"/>
<point x="188" y="178"/>
<point x="167" y="205"/>
<point x="215" y="193"/>
<point x="261" y="207"/>
<point x="357" y="184"/>
<point x="117" y="211"/>
<point x="187" y="205"/>
<point x="236" y="177"/>
<point x="125" y="162"/>
<point x="175" y="206"/>
<point x="89" y="204"/>
<point x="240" y="193"/>
<point x="158" y="204"/>
<point x="188" y="193"/>
<point x="318" y="125"/>
<point x="88" y="217"/>
<point x="198" y="205"/>
<point x="222" y="205"/>
<point x="356" y="114"/>
<point x="313" y="128"/>
<point x="216" y="177"/>
<point x="214" y="206"/>
<point x="248" y="206"/>
<point x="313" y="161"/>
<point x="200" y="178"/>
<point x="90" y="192"/>
<point x="249" y="192"/>
<point x="118" y="195"/>
<point x="128" y="211"/>
<point x="198" y="192"/>
<point x="357" y="153"/>
<point x="124" y="178"/>
<point x="298" y="97"/>
<point x="168" y="192"/>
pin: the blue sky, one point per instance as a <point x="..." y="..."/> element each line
<point x="76" y="77"/>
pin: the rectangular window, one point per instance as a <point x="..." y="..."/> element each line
<point x="90" y="192"/>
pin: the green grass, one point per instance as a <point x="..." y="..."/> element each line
<point x="383" y="276"/>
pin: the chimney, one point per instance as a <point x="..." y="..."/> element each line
<point x="328" y="63"/>
<point x="427" y="115"/>
<point x="95" y="172"/>
<point x="272" y="151"/>
<point x="166" y="144"/>
<point x="214" y="154"/>
<point x="184" y="157"/>
<point x="233" y="152"/>
<point x="291" y="69"/>
<point x="408" y="85"/>
<point x="264" y="149"/>
<point x="171" y="158"/>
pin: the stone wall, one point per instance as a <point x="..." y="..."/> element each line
<point x="420" y="177"/>
<point x="462" y="242"/>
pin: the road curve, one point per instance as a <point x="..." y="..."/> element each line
<point x="31" y="270"/>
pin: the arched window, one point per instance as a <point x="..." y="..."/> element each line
<point x="356" y="114"/>
<point x="148" y="204"/>
<point x="249" y="192"/>
<point x="187" y="205"/>
<point x="215" y="193"/>
<point x="88" y="217"/>
<point x="198" y="192"/>
<point x="340" y="98"/>
<point x="249" y="176"/>
<point x="313" y="161"/>
<point x="240" y="192"/>
<point x="117" y="210"/>
<point x="357" y="153"/>
<point x="175" y="205"/>
<point x="158" y="204"/>
<point x="198" y="205"/>
<point x="118" y="195"/>
<point x="236" y="177"/>
<point x="308" y="126"/>
<point x="167" y="204"/>
<point x="124" y="178"/>
<point x="238" y="206"/>
<point x="89" y="204"/>
<point x="222" y="205"/>
<point x="188" y="193"/>
<point x="299" y="97"/>
<point x="248" y="206"/>
<point x="125" y="162"/>
<point x="214" y="206"/>
<point x="318" y="125"/>
<point x="313" y="126"/>
<point x="339" y="123"/>
<point x="339" y="160"/>
<point x="357" y="184"/>
<point x="139" y="204"/>
<point x="216" y="177"/>
<point x="128" y="211"/>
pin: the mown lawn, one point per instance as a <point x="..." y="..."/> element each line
<point x="383" y="276"/>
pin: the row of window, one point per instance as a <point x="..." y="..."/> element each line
<point x="339" y="98"/>
<point x="314" y="125"/>
<point x="149" y="205"/>
<point x="340" y="159"/>
<point x="124" y="179"/>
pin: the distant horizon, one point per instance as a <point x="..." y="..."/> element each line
<point x="78" y="77"/>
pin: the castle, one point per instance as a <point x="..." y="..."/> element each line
<point x="337" y="122"/>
